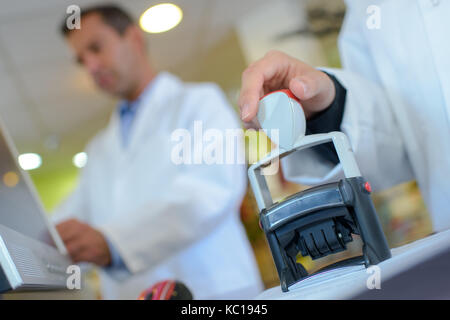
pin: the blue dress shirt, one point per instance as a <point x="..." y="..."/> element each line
<point x="127" y="114"/>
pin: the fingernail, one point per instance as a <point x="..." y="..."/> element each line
<point x="245" y="111"/>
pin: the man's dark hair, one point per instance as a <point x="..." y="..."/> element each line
<point x="112" y="15"/>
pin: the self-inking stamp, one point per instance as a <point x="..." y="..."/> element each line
<point x="319" y="221"/>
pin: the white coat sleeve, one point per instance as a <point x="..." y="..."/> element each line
<point x="368" y="120"/>
<point x="199" y="197"/>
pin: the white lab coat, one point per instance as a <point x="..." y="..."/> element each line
<point x="397" y="112"/>
<point x="167" y="221"/>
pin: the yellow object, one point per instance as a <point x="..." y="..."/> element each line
<point x="10" y="179"/>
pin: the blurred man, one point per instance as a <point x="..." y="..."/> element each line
<point x="135" y="213"/>
<point x="392" y="99"/>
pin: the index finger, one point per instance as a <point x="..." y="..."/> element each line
<point x="251" y="91"/>
<point x="272" y="69"/>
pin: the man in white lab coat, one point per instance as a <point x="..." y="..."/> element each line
<point x="135" y="213"/>
<point x="392" y="98"/>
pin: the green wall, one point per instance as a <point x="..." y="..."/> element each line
<point x="54" y="186"/>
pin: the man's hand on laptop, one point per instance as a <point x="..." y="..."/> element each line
<point x="84" y="243"/>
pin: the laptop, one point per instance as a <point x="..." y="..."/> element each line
<point x="32" y="255"/>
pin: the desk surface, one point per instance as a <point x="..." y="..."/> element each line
<point x="347" y="282"/>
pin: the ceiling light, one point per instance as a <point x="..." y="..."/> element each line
<point x="30" y="161"/>
<point x="80" y="159"/>
<point x="160" y="18"/>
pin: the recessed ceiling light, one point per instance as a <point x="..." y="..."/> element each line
<point x="30" y="161"/>
<point x="160" y="18"/>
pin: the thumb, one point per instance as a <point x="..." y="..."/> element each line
<point x="303" y="88"/>
<point x="315" y="91"/>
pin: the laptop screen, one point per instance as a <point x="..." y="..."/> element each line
<point x="19" y="206"/>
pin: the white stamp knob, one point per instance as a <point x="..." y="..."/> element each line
<point x="281" y="111"/>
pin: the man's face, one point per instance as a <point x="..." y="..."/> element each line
<point x="109" y="57"/>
